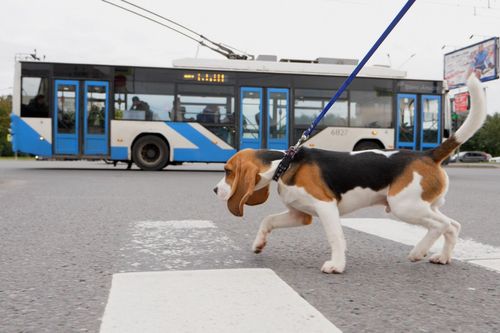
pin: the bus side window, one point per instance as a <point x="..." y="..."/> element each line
<point x="370" y="109"/>
<point x="141" y="95"/>
<point x="34" y="99"/>
<point x="210" y="114"/>
<point x="178" y="112"/>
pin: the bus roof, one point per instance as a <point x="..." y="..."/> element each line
<point x="287" y="67"/>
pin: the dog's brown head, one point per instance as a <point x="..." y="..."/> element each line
<point x="239" y="183"/>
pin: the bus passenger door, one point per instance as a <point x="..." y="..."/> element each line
<point x="71" y="138"/>
<point x="96" y="106"/>
<point x="251" y="118"/>
<point x="430" y="131"/>
<point x="264" y="125"/>
<point x="406" y="129"/>
<point x="66" y="106"/>
<point x="277" y="119"/>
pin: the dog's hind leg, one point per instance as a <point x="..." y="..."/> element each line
<point x="409" y="206"/>
<point x="329" y="216"/>
<point x="422" y="214"/>
<point x="419" y="212"/>
<point x="435" y="228"/>
<point x="450" y="240"/>
<point x="287" y="219"/>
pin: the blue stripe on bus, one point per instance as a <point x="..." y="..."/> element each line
<point x="26" y="140"/>
<point x="206" y="150"/>
<point x="119" y="153"/>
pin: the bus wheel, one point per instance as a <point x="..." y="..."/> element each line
<point x="150" y="153"/>
<point x="367" y="145"/>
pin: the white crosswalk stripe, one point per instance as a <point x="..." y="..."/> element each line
<point x="467" y="250"/>
<point x="209" y="301"/>
<point x="224" y="300"/>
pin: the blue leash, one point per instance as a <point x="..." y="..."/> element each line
<point x="290" y="153"/>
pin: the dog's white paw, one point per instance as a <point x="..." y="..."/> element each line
<point x="440" y="258"/>
<point x="333" y="266"/>
<point x="259" y="244"/>
<point x="416" y="255"/>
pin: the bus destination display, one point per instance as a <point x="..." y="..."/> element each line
<point x="205" y="77"/>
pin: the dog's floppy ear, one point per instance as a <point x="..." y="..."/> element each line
<point x="246" y="176"/>
<point x="259" y="196"/>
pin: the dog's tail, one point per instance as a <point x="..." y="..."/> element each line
<point x="474" y="121"/>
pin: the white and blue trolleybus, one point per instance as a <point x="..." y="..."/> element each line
<point x="204" y="110"/>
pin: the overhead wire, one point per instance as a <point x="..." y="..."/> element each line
<point x="166" y="26"/>
<point x="152" y="20"/>
<point x="458" y="4"/>
<point x="220" y="48"/>
<point x="160" y="16"/>
<point x="228" y="47"/>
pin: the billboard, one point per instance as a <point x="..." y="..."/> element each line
<point x="480" y="58"/>
<point x="461" y="102"/>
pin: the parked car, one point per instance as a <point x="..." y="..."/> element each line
<point x="495" y="159"/>
<point x="471" y="156"/>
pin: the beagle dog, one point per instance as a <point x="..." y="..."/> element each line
<point x="327" y="184"/>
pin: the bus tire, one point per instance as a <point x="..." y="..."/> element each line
<point x="367" y="145"/>
<point x="150" y="153"/>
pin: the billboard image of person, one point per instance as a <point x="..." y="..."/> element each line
<point x="482" y="61"/>
<point x="480" y="58"/>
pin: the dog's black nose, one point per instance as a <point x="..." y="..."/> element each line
<point x="215" y="190"/>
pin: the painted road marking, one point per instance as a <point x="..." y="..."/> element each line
<point x="176" y="224"/>
<point x="227" y="300"/>
<point x="178" y="244"/>
<point x="466" y="250"/>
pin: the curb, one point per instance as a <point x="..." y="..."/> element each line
<point x="474" y="165"/>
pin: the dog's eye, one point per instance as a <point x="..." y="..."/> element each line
<point x="228" y="172"/>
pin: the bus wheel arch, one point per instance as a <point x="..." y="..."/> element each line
<point x="150" y="151"/>
<point x="366" y="144"/>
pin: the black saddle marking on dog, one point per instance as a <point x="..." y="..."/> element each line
<point x="267" y="156"/>
<point x="343" y="172"/>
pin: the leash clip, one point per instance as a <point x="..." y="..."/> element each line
<point x="287" y="159"/>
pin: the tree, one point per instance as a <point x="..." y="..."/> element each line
<point x="487" y="139"/>
<point x="5" y="109"/>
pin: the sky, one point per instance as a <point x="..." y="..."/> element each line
<point x="91" y="31"/>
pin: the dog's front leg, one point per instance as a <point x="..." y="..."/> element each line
<point x="287" y="219"/>
<point x="328" y="214"/>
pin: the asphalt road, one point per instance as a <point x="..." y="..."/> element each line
<point x="67" y="227"/>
